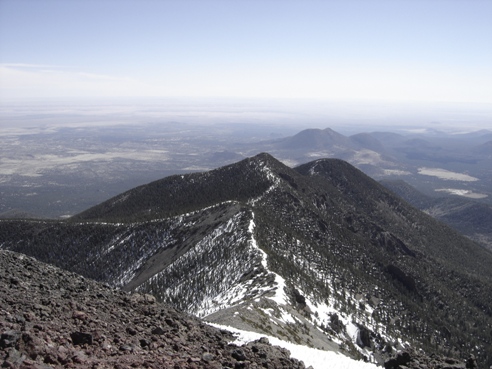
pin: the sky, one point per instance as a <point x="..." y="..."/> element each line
<point x="398" y="50"/>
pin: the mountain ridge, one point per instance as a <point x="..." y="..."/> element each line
<point x="288" y="252"/>
<point x="158" y="195"/>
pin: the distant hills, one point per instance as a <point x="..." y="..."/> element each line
<point x="65" y="171"/>
<point x="319" y="254"/>
<point x="468" y="217"/>
<point x="396" y="160"/>
<point x="392" y="156"/>
<point x="315" y="139"/>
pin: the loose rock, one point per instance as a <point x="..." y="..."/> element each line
<point x="83" y="324"/>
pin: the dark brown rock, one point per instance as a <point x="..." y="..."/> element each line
<point x="158" y="331"/>
<point x="10" y="338"/>
<point x="238" y="354"/>
<point x="411" y="359"/>
<point x="83" y="324"/>
<point x="471" y="362"/>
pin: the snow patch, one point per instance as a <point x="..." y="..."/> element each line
<point x="318" y="359"/>
<point x="272" y="177"/>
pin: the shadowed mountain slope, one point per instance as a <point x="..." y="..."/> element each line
<point x="484" y="149"/>
<point x="470" y="218"/>
<point x="182" y="193"/>
<point x="367" y="141"/>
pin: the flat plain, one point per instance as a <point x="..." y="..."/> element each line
<point x="56" y="160"/>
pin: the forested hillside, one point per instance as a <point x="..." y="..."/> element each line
<point x="321" y="255"/>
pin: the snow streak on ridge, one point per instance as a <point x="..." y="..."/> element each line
<point x="279" y="294"/>
<point x="271" y="176"/>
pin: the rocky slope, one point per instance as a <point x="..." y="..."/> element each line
<point x="412" y="359"/>
<point x="50" y="318"/>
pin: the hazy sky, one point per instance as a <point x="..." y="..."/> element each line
<point x="432" y="50"/>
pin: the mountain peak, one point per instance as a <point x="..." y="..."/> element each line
<point x="263" y="160"/>
<point x="173" y="195"/>
<point x="315" y="139"/>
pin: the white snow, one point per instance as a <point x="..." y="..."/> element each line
<point x="318" y="359"/>
<point x="271" y="188"/>
<point x="287" y="318"/>
<point x="279" y="297"/>
<point x="352" y="331"/>
<point x="272" y="177"/>
<point x="321" y="311"/>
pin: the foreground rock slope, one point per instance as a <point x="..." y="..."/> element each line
<point x="51" y="318"/>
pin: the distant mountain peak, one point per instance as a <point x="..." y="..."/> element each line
<point x="315" y="139"/>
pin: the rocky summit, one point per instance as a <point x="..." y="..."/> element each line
<point x="51" y="318"/>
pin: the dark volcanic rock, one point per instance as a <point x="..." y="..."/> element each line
<point x="10" y="338"/>
<point x="363" y="337"/>
<point x="50" y="318"/>
<point x="471" y="362"/>
<point x="81" y="338"/>
<point x="411" y="359"/>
